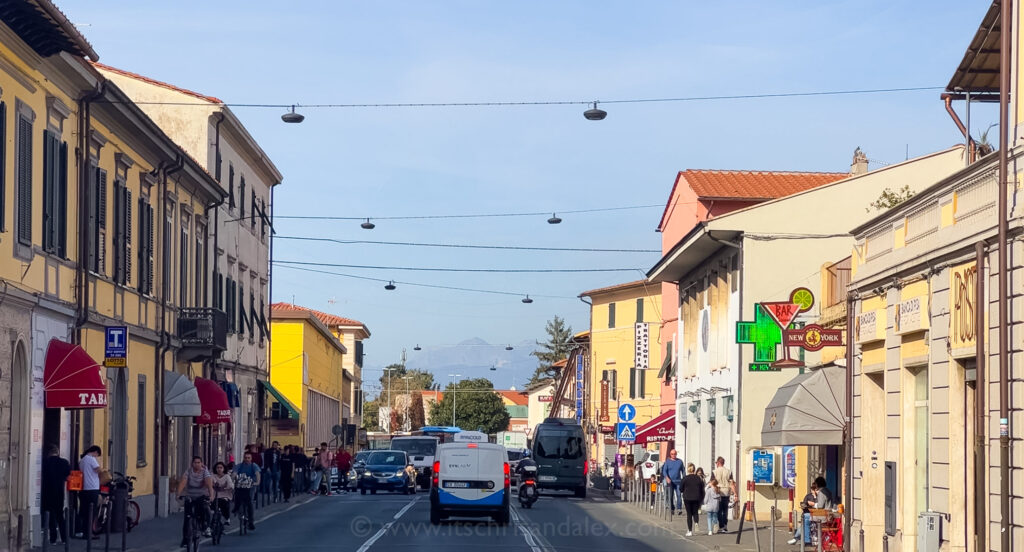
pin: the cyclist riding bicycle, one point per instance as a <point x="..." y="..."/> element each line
<point x="196" y="484"/>
<point x="224" y="487"/>
<point x="247" y="478"/>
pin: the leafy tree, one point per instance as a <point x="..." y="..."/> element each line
<point x="417" y="417"/>
<point x="396" y="420"/>
<point x="890" y="198"/>
<point x="551" y="351"/>
<point x="477" y="407"/>
<point x="371" y="415"/>
<point x="420" y="379"/>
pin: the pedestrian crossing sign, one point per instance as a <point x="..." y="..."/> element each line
<point x="625" y="431"/>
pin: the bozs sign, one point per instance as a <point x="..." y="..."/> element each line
<point x="963" y="287"/>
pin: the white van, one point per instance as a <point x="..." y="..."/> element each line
<point x="470" y="479"/>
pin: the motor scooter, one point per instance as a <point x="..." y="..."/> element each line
<point x="528" y="493"/>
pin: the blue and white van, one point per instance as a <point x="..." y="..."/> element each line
<point x="471" y="479"/>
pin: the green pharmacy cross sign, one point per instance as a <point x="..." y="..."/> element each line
<point x="765" y="333"/>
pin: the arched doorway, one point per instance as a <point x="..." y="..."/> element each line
<point x="19" y="429"/>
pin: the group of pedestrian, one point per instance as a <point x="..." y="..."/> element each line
<point x="289" y="471"/>
<point x="689" y="491"/>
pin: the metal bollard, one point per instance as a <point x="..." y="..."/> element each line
<point x="106" y="529"/>
<point x="88" y="527"/>
<point x="124" y="538"/>
<point x="885" y="543"/>
<point x="771" y="545"/>
<point x="45" y="528"/>
<point x="67" y="529"/>
<point x="17" y="543"/>
<point x="861" y="540"/>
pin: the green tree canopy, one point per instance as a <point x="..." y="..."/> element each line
<point x="420" y="380"/>
<point x="371" y="415"/>
<point x="555" y="348"/>
<point x="477" y="407"/>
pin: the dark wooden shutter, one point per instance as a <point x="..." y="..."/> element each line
<point x="101" y="221"/>
<point x="3" y="165"/>
<point x="127" y="235"/>
<point x="253" y="216"/>
<point x="253" y="319"/>
<point x="49" y="185"/>
<point x="240" y="313"/>
<point x="62" y="201"/>
<point x="150" y="247"/>
<point x="632" y="383"/>
<point x="890" y="498"/>
<point x="118" y="233"/>
<point x="241" y="198"/>
<point x="24" y="230"/>
<point x="231" y="186"/>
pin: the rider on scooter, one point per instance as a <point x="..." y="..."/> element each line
<point x="524" y="462"/>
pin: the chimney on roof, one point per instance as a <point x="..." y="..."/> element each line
<point x="860" y="162"/>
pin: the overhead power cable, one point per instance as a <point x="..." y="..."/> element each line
<point x="432" y="286"/>
<point x="522" y="103"/>
<point x="468" y="246"/>
<point x="439" y="269"/>
<point x="467" y="216"/>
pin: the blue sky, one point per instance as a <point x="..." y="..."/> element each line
<point x="395" y="162"/>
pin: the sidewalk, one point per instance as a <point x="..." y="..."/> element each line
<point x="162" y="534"/>
<point x="718" y="542"/>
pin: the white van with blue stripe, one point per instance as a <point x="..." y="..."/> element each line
<point x="470" y="478"/>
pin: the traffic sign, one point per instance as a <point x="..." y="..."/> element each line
<point x="625" y="431"/>
<point x="627" y="412"/>
<point x="116" y="349"/>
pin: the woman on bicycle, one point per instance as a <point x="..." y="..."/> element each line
<point x="196" y="484"/>
<point x="224" y="487"/>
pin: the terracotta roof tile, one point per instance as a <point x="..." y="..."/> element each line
<point x="328" y="319"/>
<point x="155" y="82"/>
<point x="515" y="397"/>
<point x="759" y="185"/>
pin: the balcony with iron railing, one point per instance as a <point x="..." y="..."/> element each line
<point x="203" y="332"/>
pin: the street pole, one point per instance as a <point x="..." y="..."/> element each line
<point x="453" y="376"/>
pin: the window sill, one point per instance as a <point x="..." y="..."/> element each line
<point x="141" y="464"/>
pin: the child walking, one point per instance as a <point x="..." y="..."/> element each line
<point x="712" y="494"/>
<point x="654" y="489"/>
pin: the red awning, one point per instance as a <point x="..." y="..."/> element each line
<point x="213" y="401"/>
<point x="658" y="430"/>
<point x="71" y="378"/>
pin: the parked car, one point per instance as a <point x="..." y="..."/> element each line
<point x="385" y="471"/>
<point x="358" y="467"/>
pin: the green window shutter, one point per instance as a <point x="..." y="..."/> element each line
<point x="24" y="183"/>
<point x="62" y="202"/>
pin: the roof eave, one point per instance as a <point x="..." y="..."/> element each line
<point x="692" y="250"/>
<point x="68" y="28"/>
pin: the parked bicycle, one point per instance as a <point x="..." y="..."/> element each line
<point x="132" y="511"/>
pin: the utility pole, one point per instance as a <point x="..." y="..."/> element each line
<point x="387" y="372"/>
<point x="408" y="404"/>
<point x="453" y="376"/>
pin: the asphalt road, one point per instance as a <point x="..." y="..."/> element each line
<point x="386" y="523"/>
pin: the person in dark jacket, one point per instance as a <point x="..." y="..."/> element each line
<point x="301" y="464"/>
<point x="272" y="469"/>
<point x="55" y="475"/>
<point x="693" y="496"/>
<point x="287" y="466"/>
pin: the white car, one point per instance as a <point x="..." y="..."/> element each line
<point x="470" y="479"/>
<point x="649" y="465"/>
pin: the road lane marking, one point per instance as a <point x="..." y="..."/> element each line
<point x="531" y="540"/>
<point x="369" y="542"/>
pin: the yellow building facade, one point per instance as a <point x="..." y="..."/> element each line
<point x="98" y="210"/>
<point x="625" y="329"/>
<point x="307" y="376"/>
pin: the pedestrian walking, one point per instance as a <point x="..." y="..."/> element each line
<point x="654" y="489"/>
<point x="672" y="469"/>
<point x="693" y="496"/>
<point x="700" y="474"/>
<point x="326" y="463"/>
<point x="712" y="500"/>
<point x="301" y="463"/>
<point x="272" y="470"/>
<point x="55" y="476"/>
<point x="287" y="468"/>
<point x="315" y="472"/>
<point x="726" y="483"/>
<point x="89" y="465"/>
<point x="344" y="462"/>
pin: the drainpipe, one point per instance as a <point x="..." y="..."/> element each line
<point x="81" y="277"/>
<point x="971" y="148"/>
<point x="159" y="465"/>
<point x="1005" y="52"/>
<point x="980" y="429"/>
<point x="848" y="430"/>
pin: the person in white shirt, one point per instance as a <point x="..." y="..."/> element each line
<point x="89" y="465"/>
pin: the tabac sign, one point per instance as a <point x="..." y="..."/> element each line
<point x="963" y="290"/>
<point x="773" y="326"/>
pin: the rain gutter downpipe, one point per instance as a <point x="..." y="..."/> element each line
<point x="1005" y="53"/>
<point x="980" y="408"/>
<point x="971" y="147"/>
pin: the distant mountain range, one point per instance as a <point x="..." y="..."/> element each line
<point x="473" y="358"/>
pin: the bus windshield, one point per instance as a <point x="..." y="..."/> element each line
<point x="422" y="446"/>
